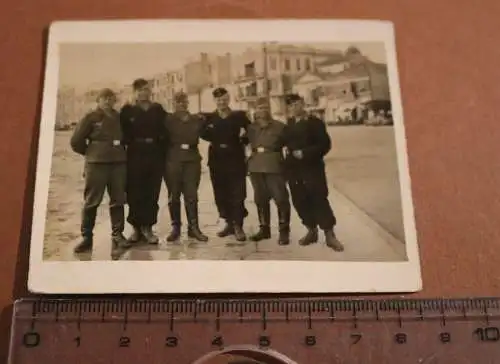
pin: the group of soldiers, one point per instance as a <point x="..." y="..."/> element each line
<point x="130" y="152"/>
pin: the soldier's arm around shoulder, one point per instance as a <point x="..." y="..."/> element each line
<point x="207" y="126"/>
<point x="162" y="119"/>
<point x="81" y="133"/>
<point x="322" y="142"/>
<point x="244" y="125"/>
<point x="125" y="114"/>
<point x="283" y="134"/>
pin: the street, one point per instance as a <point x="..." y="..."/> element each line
<point x="364" y="192"/>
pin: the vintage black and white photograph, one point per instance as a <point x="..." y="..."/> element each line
<point x="229" y="156"/>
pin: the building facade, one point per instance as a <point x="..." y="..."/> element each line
<point x="273" y="70"/>
<point x="345" y="90"/>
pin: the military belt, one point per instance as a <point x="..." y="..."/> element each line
<point x="114" y="143"/>
<point x="224" y="146"/>
<point x="146" y="140"/>
<point x="187" y="146"/>
<point x="264" y="150"/>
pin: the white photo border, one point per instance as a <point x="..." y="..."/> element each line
<point x="96" y="277"/>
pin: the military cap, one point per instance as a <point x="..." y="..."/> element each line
<point x="291" y="98"/>
<point x="219" y="91"/>
<point x="105" y="92"/>
<point x="139" y="83"/>
<point x="180" y="96"/>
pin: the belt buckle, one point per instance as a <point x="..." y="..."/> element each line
<point x="184" y="146"/>
<point x="261" y="150"/>
<point x="116" y="143"/>
<point x="223" y="146"/>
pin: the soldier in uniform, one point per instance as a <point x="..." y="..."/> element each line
<point x="183" y="167"/>
<point x="265" y="165"/>
<point x="226" y="130"/>
<point x="98" y="137"/>
<point x="144" y="129"/>
<point x="307" y="143"/>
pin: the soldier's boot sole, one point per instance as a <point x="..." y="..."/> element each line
<point x="174" y="235"/>
<point x="151" y="239"/>
<point x="284" y="238"/>
<point x="198" y="235"/>
<point x="311" y="237"/>
<point x="135" y="237"/>
<point x="262" y="234"/>
<point x="85" y="246"/>
<point x="119" y="246"/>
<point x="332" y="241"/>
<point x="227" y="231"/>
<point x="239" y="234"/>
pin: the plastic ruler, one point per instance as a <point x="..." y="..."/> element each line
<point x="277" y="331"/>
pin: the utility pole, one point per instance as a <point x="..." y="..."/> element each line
<point x="266" y="74"/>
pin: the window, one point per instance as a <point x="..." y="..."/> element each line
<point x="251" y="90"/>
<point x="287" y="64"/>
<point x="250" y="69"/>
<point x="272" y="63"/>
<point x="308" y="64"/>
<point x="298" y="64"/>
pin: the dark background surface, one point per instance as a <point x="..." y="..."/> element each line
<point x="448" y="65"/>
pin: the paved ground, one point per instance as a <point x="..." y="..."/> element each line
<point x="364" y="195"/>
<point x="362" y="166"/>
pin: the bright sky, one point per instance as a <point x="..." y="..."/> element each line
<point x="84" y="64"/>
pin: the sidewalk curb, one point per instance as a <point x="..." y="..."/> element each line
<point x="394" y="243"/>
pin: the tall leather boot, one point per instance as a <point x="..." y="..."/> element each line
<point x="193" y="226"/>
<point x="284" y="224"/>
<point x="175" y="215"/>
<point x="227" y="230"/>
<point x="264" y="213"/>
<point x="332" y="241"/>
<point x="119" y="242"/>
<point x="311" y="236"/>
<point x="87" y="228"/>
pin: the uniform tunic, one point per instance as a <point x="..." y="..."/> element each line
<point x="266" y="162"/>
<point x="265" y="166"/>
<point x="183" y="161"/>
<point x="145" y="135"/>
<point x="98" y="137"/>
<point x="306" y="176"/>
<point x="227" y="163"/>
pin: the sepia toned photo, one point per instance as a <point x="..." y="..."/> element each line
<point x="256" y="162"/>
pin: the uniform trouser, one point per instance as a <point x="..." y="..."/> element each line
<point x="144" y="179"/>
<point x="309" y="191"/>
<point x="183" y="178"/>
<point x="99" y="178"/>
<point x="230" y="190"/>
<point x="267" y="186"/>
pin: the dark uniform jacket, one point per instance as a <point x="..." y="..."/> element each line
<point x="226" y="145"/>
<point x="99" y="137"/>
<point x="311" y="137"/>
<point x="144" y="130"/>
<point x="183" y="136"/>
<point x="267" y="146"/>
